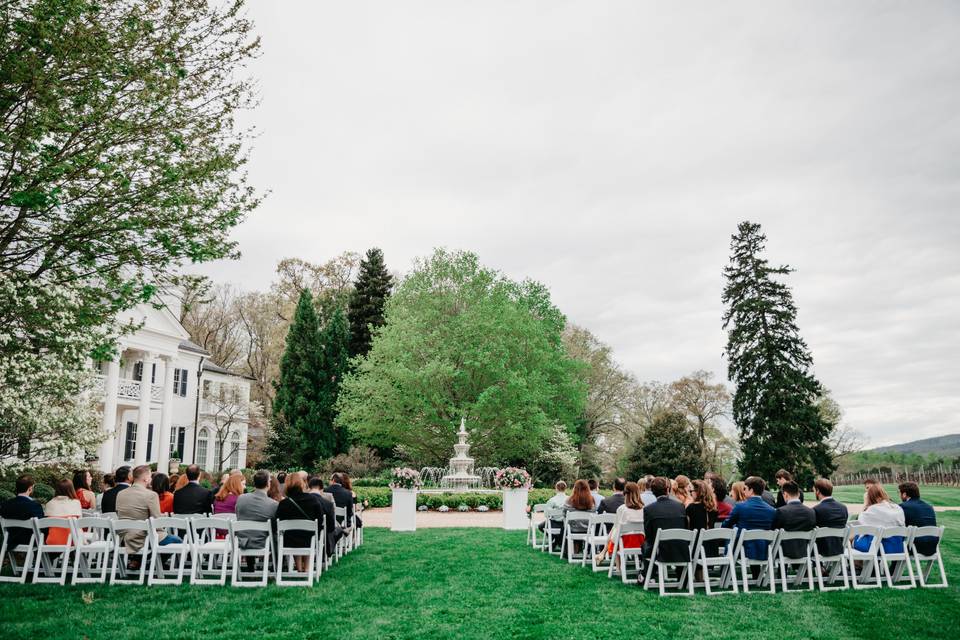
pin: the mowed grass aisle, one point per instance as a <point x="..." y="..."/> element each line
<point x="472" y="583"/>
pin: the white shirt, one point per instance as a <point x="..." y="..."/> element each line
<point x="596" y="499"/>
<point x="648" y="498"/>
<point x="883" y="514"/>
<point x="557" y="501"/>
<point x="625" y="514"/>
<point x="62" y="507"/>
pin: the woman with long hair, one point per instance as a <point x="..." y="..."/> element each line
<point x="739" y="491"/>
<point x="161" y="486"/>
<point x="226" y="499"/>
<point x="702" y="510"/>
<point x="273" y="489"/>
<point x="720" y="493"/>
<point x="879" y="511"/>
<point x="298" y="505"/>
<point x="182" y="481"/>
<point x="681" y="489"/>
<point x="630" y="511"/>
<point x="81" y="485"/>
<point x="64" y="504"/>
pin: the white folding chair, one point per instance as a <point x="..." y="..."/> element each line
<point x="340" y="517"/>
<point x="621" y="556"/>
<point x="664" y="537"/>
<point x="900" y="559"/>
<point x="52" y="563"/>
<point x="928" y="533"/>
<point x="208" y="547"/>
<point x="803" y="565"/>
<point x="178" y="552"/>
<point x="122" y="554"/>
<point x="285" y="554"/>
<point x="597" y="536"/>
<point x="9" y="552"/>
<point x="723" y="542"/>
<point x="836" y="562"/>
<point x="532" y="528"/>
<point x="93" y="544"/>
<point x="765" y="576"/>
<point x="868" y="559"/>
<point x="324" y="560"/>
<point x="553" y="530"/>
<point x="570" y="537"/>
<point x="262" y="553"/>
<point x="224" y="516"/>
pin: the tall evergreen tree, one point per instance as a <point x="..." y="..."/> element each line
<point x="335" y="342"/>
<point x="298" y="437"/>
<point x="366" y="305"/>
<point x="775" y="404"/>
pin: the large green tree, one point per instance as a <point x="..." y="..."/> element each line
<point x="298" y="437"/>
<point x="370" y="294"/>
<point x="463" y="340"/>
<point x="335" y="342"/>
<point x="775" y="403"/>
<point x="669" y="447"/>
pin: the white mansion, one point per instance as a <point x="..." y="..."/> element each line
<point x="162" y="398"/>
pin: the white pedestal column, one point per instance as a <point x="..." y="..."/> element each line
<point x="166" y="417"/>
<point x="143" y="414"/>
<point x="109" y="421"/>
<point x="515" y="509"/>
<point x="403" y="507"/>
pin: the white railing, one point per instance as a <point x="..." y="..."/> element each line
<point x="127" y="389"/>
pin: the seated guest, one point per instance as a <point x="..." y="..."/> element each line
<point x="161" y="486"/>
<point x="738" y="491"/>
<point x="830" y="514"/>
<point x="579" y="500"/>
<point x="753" y="513"/>
<point x="274" y="489"/>
<point x="665" y="513"/>
<point x="106" y="483"/>
<point x="556" y="502"/>
<point x="81" y="484"/>
<point x="333" y="530"/>
<point x="255" y="506"/>
<point x="782" y="477"/>
<point x="21" y="507"/>
<point x="594" y="487"/>
<point x="139" y="502"/>
<point x="613" y="502"/>
<point x="345" y="483"/>
<point x="702" y="510"/>
<point x="794" y="516"/>
<point x="682" y="489"/>
<point x="724" y="502"/>
<point x="173" y="480"/>
<point x="281" y="480"/>
<point x="298" y="505"/>
<point x="225" y="500"/>
<point x="182" y="481"/>
<point x="767" y="496"/>
<point x="630" y="511"/>
<point x="108" y="504"/>
<point x="917" y="513"/>
<point x="645" y="494"/>
<point x="879" y="511"/>
<point x="64" y="504"/>
<point x="192" y="498"/>
<point x="342" y="496"/>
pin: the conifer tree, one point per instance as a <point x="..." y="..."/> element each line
<point x="335" y="343"/>
<point x="366" y="305"/>
<point x="775" y="404"/>
<point x="669" y="447"/>
<point x="298" y="436"/>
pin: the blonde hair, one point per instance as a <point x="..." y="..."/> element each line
<point x="705" y="494"/>
<point x="738" y="491"/>
<point x="681" y="488"/>
<point x="876" y="495"/>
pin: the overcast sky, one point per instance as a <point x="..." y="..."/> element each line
<point x="609" y="149"/>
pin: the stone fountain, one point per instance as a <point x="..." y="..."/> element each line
<point x="460" y="475"/>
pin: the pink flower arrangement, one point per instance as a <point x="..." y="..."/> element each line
<point x="405" y="478"/>
<point x="512" y="478"/>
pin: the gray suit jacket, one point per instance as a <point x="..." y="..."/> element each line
<point x="256" y="506"/>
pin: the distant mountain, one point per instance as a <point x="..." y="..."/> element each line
<point x="946" y="445"/>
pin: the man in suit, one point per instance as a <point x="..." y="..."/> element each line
<point x="794" y="516"/>
<point x="21" y="507"/>
<point x="334" y="531"/>
<point x="341" y="496"/>
<point x="109" y="502"/>
<point x="664" y="514"/>
<point x="192" y="498"/>
<point x="830" y="514"/>
<point x="753" y="513"/>
<point x="139" y="502"/>
<point x="611" y="503"/>
<point x="918" y="513"/>
<point x="782" y="477"/>
<point x="256" y="506"/>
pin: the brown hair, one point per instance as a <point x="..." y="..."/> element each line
<point x="182" y="481"/>
<point x="294" y="485"/>
<point x="139" y="472"/>
<point x="560" y="486"/>
<point x="909" y="489"/>
<point x="234" y="485"/>
<point x="658" y="486"/>
<point x="786" y="475"/>
<point x="870" y="481"/>
<point x="737" y="491"/>
<point x="65" y="488"/>
<point x="824" y="486"/>
<point x="274" y="489"/>
<point x="345" y="481"/>
<point x="581" y="500"/>
<point x="705" y="494"/>
<point x="876" y="495"/>
<point x="682" y="488"/>
<point x="756" y="483"/>
<point x="631" y="496"/>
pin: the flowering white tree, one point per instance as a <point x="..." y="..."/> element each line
<point x="46" y="406"/>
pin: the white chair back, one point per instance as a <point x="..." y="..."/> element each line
<point x="662" y="566"/>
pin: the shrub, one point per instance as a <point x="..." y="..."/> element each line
<point x="42" y="492"/>
<point x="359" y="461"/>
<point x="374" y="496"/>
<point x="6" y="494"/>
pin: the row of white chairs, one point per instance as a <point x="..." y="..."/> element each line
<point x="712" y="556"/>
<point x="211" y="548"/>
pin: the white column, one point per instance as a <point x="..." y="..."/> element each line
<point x="109" y="420"/>
<point x="166" y="417"/>
<point x="143" y="415"/>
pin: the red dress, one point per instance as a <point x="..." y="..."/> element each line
<point x="86" y="498"/>
<point x="166" y="502"/>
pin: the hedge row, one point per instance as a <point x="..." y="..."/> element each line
<point x="380" y="497"/>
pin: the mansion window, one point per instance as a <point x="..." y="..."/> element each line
<point x="180" y="382"/>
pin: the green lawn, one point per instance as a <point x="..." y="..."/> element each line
<point x="937" y="496"/>
<point x="472" y="583"/>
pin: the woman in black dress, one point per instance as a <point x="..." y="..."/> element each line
<point x="298" y="505"/>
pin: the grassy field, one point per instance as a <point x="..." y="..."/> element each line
<point x="937" y="496"/>
<point x="472" y="583"/>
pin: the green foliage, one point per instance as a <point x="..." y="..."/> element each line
<point x="359" y="462"/>
<point x="370" y="293"/>
<point x="6" y="494"/>
<point x="462" y="340"/>
<point x="670" y="447"/>
<point x="335" y="345"/>
<point x="42" y="492"/>
<point x="775" y="404"/>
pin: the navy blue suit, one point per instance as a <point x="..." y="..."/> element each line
<point x="20" y="508"/>
<point x="753" y="513"/>
<point x="918" y="513"/>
